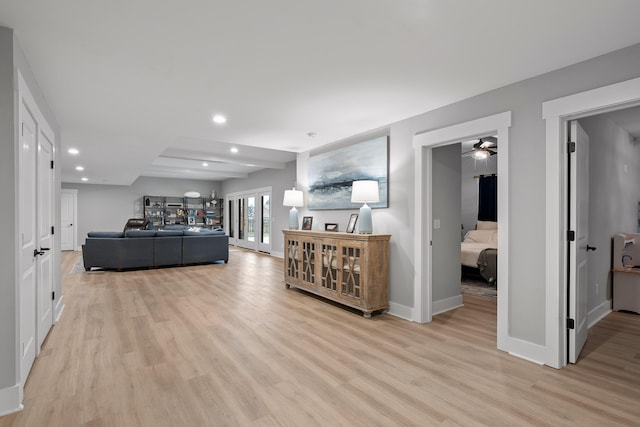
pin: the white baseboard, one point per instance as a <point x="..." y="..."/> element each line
<point x="526" y="350"/>
<point x="598" y="313"/>
<point x="59" y="309"/>
<point x="277" y="254"/>
<point x="401" y="311"/>
<point x="446" y="304"/>
<point x="10" y="400"/>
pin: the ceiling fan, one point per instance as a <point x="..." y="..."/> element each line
<point x="484" y="148"/>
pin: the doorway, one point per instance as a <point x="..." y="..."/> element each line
<point x="250" y="219"/>
<point x="557" y="115"/>
<point x="423" y="145"/>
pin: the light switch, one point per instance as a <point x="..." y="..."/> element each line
<point x="436" y="224"/>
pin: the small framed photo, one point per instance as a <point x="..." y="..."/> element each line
<point x="330" y="226"/>
<point x="351" y="227"/>
<point x="191" y="220"/>
<point x="307" y="221"/>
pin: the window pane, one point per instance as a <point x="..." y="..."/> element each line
<point x="266" y="220"/>
<point x="251" y="219"/>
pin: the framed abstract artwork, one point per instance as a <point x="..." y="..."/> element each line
<point x="331" y="174"/>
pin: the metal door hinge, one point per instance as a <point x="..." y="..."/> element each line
<point x="571" y="235"/>
<point x="51" y="164"/>
<point x="53" y="230"/>
<point x="53" y="295"/>
<point x="571" y="324"/>
<point x="571" y="147"/>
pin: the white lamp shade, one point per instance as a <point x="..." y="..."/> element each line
<point x="364" y="192"/>
<point x="293" y="198"/>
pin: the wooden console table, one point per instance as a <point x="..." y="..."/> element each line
<point x="352" y="269"/>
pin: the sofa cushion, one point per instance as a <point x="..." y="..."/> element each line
<point x="106" y="234"/>
<point x="175" y="227"/>
<point x="140" y="233"/>
<point x="168" y="233"/>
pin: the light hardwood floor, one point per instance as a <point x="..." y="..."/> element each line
<point x="221" y="345"/>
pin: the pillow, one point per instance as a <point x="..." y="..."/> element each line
<point x="481" y="236"/>
<point x="486" y="225"/>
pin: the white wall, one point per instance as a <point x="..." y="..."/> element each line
<point x="471" y="168"/>
<point x="8" y="210"/>
<point x="107" y="207"/>
<point x="526" y="188"/>
<point x="12" y="59"/>
<point x="614" y="193"/>
<point x="279" y="180"/>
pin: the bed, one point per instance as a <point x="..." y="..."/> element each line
<point x="479" y="251"/>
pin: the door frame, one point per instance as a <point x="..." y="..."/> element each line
<point x="556" y="114"/>
<point x="423" y="144"/>
<point x="74" y="193"/>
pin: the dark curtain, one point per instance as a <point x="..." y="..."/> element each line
<point x="488" y="198"/>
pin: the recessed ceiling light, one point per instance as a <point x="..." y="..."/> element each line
<point x="73" y="151"/>
<point x="205" y="164"/>
<point x="79" y="168"/>
<point x="234" y="150"/>
<point x="219" y="119"/>
<point x="84" y="178"/>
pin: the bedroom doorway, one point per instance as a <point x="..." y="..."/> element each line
<point x="424" y="144"/>
<point x="479" y="217"/>
<point x="557" y="115"/>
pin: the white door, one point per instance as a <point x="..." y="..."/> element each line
<point x="578" y="248"/>
<point x="67" y="220"/>
<point x="28" y="240"/>
<point x="44" y="260"/>
<point x="247" y="226"/>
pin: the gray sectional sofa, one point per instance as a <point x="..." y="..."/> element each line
<point x="153" y="248"/>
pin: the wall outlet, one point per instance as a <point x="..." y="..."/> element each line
<point x="597" y="288"/>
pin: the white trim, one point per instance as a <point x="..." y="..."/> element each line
<point x="446" y="304"/>
<point x="598" y="313"/>
<point x="528" y="351"/>
<point x="402" y="311"/>
<point x="10" y="400"/>
<point x="423" y="143"/>
<point x="277" y="254"/>
<point x="556" y="113"/>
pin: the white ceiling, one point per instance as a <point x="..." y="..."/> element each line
<point x="134" y="84"/>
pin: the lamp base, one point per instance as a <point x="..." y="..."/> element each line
<point x="365" y="223"/>
<point x="293" y="219"/>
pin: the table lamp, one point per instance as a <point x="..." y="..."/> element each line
<point x="365" y="191"/>
<point x="294" y="199"/>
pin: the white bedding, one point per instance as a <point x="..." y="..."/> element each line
<point x="475" y="241"/>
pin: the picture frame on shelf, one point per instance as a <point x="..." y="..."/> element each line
<point x="351" y="226"/>
<point x="330" y="226"/>
<point x="307" y="222"/>
<point x="191" y="220"/>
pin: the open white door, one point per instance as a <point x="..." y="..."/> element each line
<point x="578" y="246"/>
<point x="28" y="241"/>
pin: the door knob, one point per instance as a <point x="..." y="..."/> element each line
<point x="590" y="248"/>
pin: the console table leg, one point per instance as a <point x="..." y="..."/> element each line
<point x="367" y="315"/>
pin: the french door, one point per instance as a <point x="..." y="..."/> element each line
<point x="250" y="219"/>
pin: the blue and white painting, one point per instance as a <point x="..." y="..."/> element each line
<point x="331" y="174"/>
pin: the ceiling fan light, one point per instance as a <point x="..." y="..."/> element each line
<point x="481" y="154"/>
